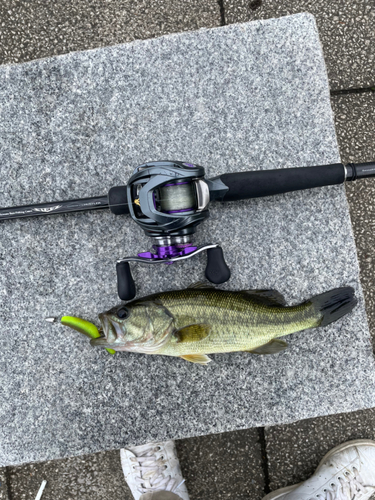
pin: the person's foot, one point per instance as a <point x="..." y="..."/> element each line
<point x="153" y="467"/>
<point x="346" y="473"/>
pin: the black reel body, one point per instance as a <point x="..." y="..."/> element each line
<point x="167" y="199"/>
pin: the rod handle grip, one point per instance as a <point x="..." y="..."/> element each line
<point x="256" y="184"/>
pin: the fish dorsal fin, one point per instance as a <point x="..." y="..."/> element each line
<point x="272" y="347"/>
<point x="266" y="297"/>
<point x="192" y="333"/>
<point x="202" y="285"/>
<point x="201" y="359"/>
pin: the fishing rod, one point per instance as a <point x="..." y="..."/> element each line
<point x="169" y="199"/>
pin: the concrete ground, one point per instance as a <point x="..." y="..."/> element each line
<point x="244" y="464"/>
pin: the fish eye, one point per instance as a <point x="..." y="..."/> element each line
<point x="122" y="313"/>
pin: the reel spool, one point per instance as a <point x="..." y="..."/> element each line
<point x="176" y="197"/>
<point x="168" y="200"/>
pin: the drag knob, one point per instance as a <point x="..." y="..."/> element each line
<point x="217" y="270"/>
<point x="125" y="282"/>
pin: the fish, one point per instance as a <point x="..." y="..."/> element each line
<point x="202" y="320"/>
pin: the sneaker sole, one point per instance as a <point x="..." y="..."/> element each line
<point x="281" y="492"/>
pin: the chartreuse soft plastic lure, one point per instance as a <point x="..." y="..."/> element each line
<point x="83" y="326"/>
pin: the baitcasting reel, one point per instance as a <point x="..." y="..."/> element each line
<point x="168" y="199"/>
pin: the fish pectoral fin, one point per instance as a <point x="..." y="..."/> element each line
<point x="267" y="297"/>
<point x="192" y="333"/>
<point x="202" y="285"/>
<point x="272" y="347"/>
<point x="201" y="359"/>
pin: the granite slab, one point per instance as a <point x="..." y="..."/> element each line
<point x="346" y="30"/>
<point x="250" y="96"/>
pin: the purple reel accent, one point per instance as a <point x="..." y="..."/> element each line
<point x="175" y="184"/>
<point x="168" y="252"/>
<point x="179" y="211"/>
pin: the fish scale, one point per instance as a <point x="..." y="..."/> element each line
<point x="203" y="320"/>
<point x="236" y="323"/>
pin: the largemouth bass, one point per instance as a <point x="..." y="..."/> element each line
<point x="203" y="320"/>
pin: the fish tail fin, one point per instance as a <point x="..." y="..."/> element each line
<point x="334" y="304"/>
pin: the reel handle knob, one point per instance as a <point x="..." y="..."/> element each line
<point x="125" y="283"/>
<point x="217" y="270"/>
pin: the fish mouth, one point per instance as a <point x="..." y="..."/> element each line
<point x="109" y="332"/>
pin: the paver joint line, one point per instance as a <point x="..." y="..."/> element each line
<point x="222" y="12"/>
<point x="8" y="484"/>
<point x="353" y="91"/>
<point x="265" y="468"/>
<point x="345" y="27"/>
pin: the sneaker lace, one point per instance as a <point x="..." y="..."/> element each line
<point x="350" y="487"/>
<point x="152" y="471"/>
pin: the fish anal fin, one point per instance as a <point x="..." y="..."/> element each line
<point x="266" y="297"/>
<point x="272" y="347"/>
<point x="201" y="285"/>
<point x="192" y="333"/>
<point x="200" y="359"/>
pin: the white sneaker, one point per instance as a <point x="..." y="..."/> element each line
<point x="346" y="473"/>
<point x="153" y="467"/>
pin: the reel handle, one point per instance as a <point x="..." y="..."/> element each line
<point x="125" y="282"/>
<point x="217" y="270"/>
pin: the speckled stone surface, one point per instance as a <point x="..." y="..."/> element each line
<point x="3" y="484"/>
<point x="221" y="466"/>
<point x="294" y="451"/>
<point x="96" y="476"/>
<point x="355" y="125"/>
<point x="31" y="30"/>
<point x="240" y="97"/>
<point x="346" y="30"/>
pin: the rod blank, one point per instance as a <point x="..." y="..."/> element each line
<point x="57" y="207"/>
